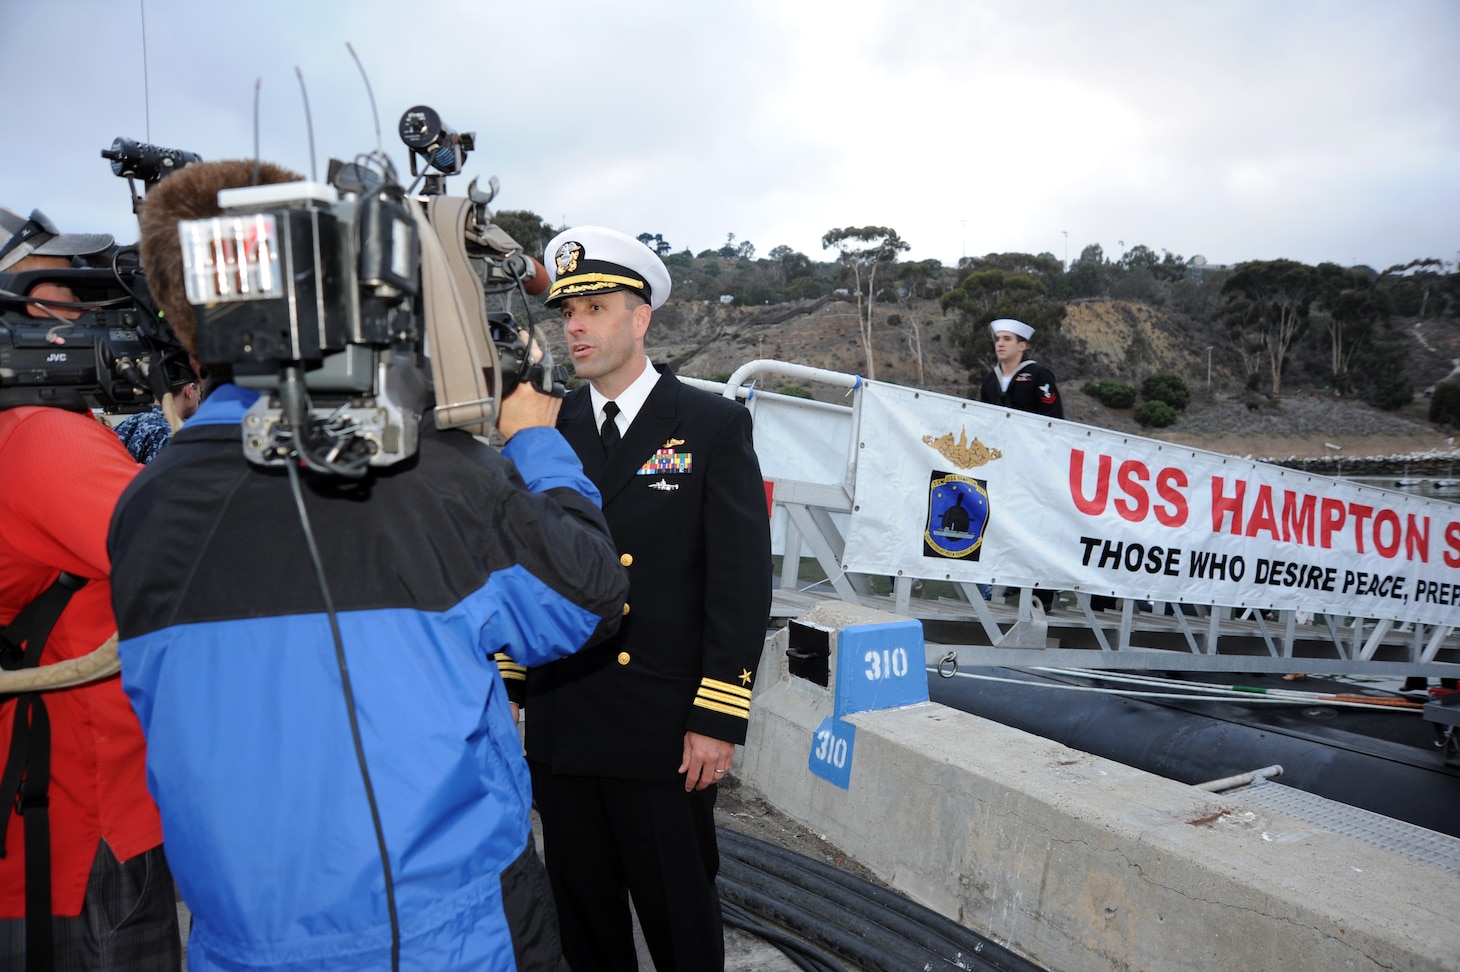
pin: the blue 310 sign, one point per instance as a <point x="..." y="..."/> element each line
<point x="880" y="666"/>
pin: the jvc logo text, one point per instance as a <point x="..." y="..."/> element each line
<point x="56" y="356"/>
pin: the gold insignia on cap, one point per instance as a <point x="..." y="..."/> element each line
<point x="567" y="257"/>
<point x="963" y="454"/>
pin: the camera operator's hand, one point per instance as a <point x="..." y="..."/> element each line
<point x="526" y="408"/>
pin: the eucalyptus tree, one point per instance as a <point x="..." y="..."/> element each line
<point x="1269" y="302"/>
<point x="864" y="249"/>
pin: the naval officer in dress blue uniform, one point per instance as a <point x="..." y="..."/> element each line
<point x="627" y="741"/>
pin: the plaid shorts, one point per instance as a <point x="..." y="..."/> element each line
<point x="128" y="921"/>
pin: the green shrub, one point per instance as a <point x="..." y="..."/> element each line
<point x="1155" y="415"/>
<point x="1168" y="388"/>
<point x="1445" y="404"/>
<point x="795" y="391"/>
<point x="1114" y="394"/>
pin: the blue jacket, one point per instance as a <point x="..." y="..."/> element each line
<point x="434" y="565"/>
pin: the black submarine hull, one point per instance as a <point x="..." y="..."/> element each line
<point x="1386" y="762"/>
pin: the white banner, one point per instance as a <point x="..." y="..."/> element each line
<point x="802" y="440"/>
<point x="953" y="489"/>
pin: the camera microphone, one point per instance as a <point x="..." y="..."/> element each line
<point x="141" y="160"/>
<point x="426" y="135"/>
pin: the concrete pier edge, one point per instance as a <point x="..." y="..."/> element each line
<point x="1081" y="863"/>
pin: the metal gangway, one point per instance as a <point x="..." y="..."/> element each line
<point x="810" y="453"/>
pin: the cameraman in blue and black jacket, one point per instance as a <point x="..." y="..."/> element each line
<point x="228" y="654"/>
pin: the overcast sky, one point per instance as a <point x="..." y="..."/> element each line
<point x="1322" y="130"/>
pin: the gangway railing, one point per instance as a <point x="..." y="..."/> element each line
<point x="811" y="454"/>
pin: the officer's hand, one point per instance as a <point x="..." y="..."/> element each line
<point x="527" y="408"/>
<point x="706" y="760"/>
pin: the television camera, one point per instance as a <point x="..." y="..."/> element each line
<point x="324" y="296"/>
<point x="107" y="350"/>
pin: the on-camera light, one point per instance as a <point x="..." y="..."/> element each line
<point x="231" y="258"/>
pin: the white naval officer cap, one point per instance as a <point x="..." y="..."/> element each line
<point x="597" y="260"/>
<point x="1024" y="331"/>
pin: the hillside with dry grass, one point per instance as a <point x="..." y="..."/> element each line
<point x="1099" y="338"/>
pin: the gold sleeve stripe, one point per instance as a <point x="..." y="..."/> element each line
<point x="724" y="698"/>
<point x="508" y="668"/>
<point x="719" y="686"/>
<point x="725" y="709"/>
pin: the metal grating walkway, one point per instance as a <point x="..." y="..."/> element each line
<point x="1395" y="836"/>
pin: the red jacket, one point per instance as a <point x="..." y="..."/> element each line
<point x="60" y="476"/>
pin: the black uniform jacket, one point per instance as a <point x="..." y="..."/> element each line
<point x="686" y="506"/>
<point x="1031" y="390"/>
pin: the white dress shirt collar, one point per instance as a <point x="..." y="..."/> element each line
<point x="630" y="400"/>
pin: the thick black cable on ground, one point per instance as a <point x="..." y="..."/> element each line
<point x="874" y="899"/>
<point x="869" y="899"/>
<point x="864" y="928"/>
<point x="848" y="908"/>
<point x="803" y="955"/>
<point x="812" y="927"/>
<point x="833" y="881"/>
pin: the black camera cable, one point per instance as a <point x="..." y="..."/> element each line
<point x="329" y="605"/>
<point x="116" y="269"/>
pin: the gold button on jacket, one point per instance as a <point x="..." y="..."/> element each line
<point x="623" y="658"/>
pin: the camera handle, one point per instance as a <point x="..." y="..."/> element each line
<point x="466" y="371"/>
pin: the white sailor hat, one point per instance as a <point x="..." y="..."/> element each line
<point x="1024" y="331"/>
<point x="596" y="260"/>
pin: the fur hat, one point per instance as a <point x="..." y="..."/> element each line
<point x="190" y="193"/>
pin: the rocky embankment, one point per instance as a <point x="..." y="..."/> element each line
<point x="1321" y="435"/>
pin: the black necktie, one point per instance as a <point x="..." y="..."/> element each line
<point x="608" y="432"/>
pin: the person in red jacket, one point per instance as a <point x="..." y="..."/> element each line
<point x="112" y="895"/>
